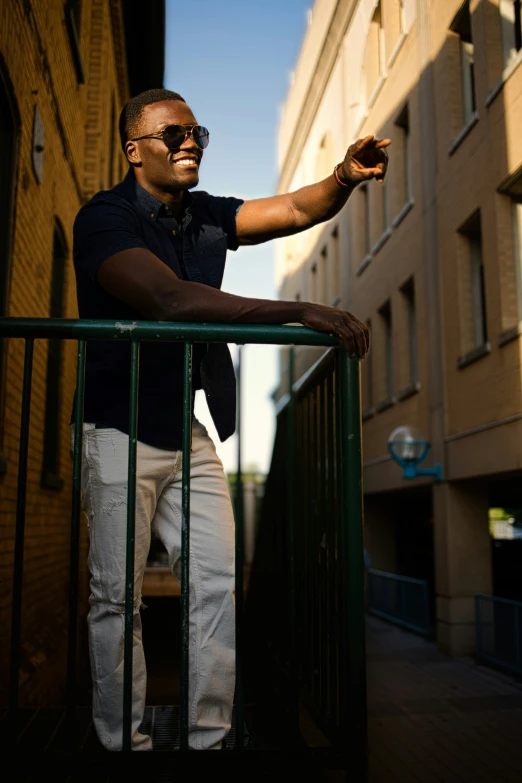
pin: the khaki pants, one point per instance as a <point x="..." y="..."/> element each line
<point x="211" y="569"/>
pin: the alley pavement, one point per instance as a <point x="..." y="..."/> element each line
<point x="435" y="719"/>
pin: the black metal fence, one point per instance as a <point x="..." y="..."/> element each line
<point x="399" y="599"/>
<point x="498" y="623"/>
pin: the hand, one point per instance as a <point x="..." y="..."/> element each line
<point x="353" y="333"/>
<point x="366" y="158"/>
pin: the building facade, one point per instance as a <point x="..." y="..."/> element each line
<point x="432" y="261"/>
<point x="66" y="69"/>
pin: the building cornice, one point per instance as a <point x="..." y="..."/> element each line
<point x="303" y="122"/>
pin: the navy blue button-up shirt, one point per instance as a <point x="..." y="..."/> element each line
<point x="195" y="249"/>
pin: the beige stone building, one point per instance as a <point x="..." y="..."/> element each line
<point x="432" y="261"/>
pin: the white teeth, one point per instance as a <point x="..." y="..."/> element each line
<point x="185" y="162"/>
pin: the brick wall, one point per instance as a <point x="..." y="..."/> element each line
<point x="35" y="47"/>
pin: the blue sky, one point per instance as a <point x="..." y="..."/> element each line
<point x="231" y="62"/>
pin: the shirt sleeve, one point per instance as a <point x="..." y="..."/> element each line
<point x="101" y="229"/>
<point x="228" y="207"/>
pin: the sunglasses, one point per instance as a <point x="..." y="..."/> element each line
<point x="173" y="136"/>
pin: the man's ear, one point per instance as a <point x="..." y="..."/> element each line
<point x="132" y="152"/>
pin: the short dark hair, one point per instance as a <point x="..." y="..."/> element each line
<point x="131" y="113"/>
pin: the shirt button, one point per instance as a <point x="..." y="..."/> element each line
<point x="167" y="209"/>
<point x="152" y="214"/>
<point x="174" y="232"/>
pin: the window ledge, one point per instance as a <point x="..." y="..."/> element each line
<point x="457" y="141"/>
<point x="506" y="73"/>
<point x="376" y="91"/>
<point x="385" y="404"/>
<point x="364" y="263"/>
<point x="380" y="242"/>
<point x="51" y="481"/>
<point x="361" y="123"/>
<point x="3" y="465"/>
<point x="473" y="356"/>
<point x="367" y="414"/>
<point x="396" y="49"/>
<point x="408" y="391"/>
<point x="510" y="334"/>
<point x="399" y="217"/>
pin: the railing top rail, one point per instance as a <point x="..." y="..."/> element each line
<point x="498" y="600"/>
<point x="397" y="577"/>
<point x="241" y="334"/>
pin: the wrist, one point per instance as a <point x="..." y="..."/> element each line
<point x="341" y="178"/>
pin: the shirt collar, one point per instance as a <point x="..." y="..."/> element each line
<point x="156" y="208"/>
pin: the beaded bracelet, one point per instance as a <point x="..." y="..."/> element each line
<point x="338" y="180"/>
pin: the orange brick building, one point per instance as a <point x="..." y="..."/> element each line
<point x="66" y="69"/>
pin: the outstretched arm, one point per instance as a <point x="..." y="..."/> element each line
<point x="142" y="280"/>
<point x="262" y="219"/>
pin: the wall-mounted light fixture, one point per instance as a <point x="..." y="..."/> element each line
<point x="409" y="448"/>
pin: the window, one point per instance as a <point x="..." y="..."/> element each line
<point x="335" y="274"/>
<point x="374" y="56"/>
<point x="473" y="306"/>
<point x="324" y="275"/>
<point x="367" y="376"/>
<point x="462" y="28"/>
<point x="511" y="29"/>
<point x="393" y="23"/>
<point x="410" y="375"/>
<point x="9" y="134"/>
<point x="509" y="253"/>
<point x="51" y="453"/>
<point x="325" y="162"/>
<point x="313" y="283"/>
<point x="365" y="224"/>
<point x="516" y="218"/>
<point x="402" y="160"/>
<point x="73" y="10"/>
<point x="387" y="353"/>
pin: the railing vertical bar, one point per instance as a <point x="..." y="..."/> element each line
<point x="309" y="550"/>
<point x="185" y="544"/>
<point x="316" y="539"/>
<point x="290" y="511"/>
<point x="72" y="637"/>
<point x="323" y="642"/>
<point x="518" y="661"/>
<point x="18" y="565"/>
<point x="131" y="535"/>
<point x="354" y="708"/>
<point x="478" y="628"/>
<point x="305" y="537"/>
<point x="330" y="549"/>
<point x="239" y="560"/>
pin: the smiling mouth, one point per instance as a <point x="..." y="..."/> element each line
<point x="186" y="162"/>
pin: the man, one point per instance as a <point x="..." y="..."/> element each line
<point x="149" y="249"/>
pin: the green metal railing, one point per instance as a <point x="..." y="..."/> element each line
<point x="306" y="596"/>
<point x="323" y="440"/>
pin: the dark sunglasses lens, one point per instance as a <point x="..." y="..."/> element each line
<point x="174" y="136"/>
<point x="201" y="136"/>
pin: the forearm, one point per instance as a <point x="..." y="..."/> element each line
<point x="319" y="202"/>
<point x="187" y="301"/>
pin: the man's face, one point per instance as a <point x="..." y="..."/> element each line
<point x="170" y="170"/>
